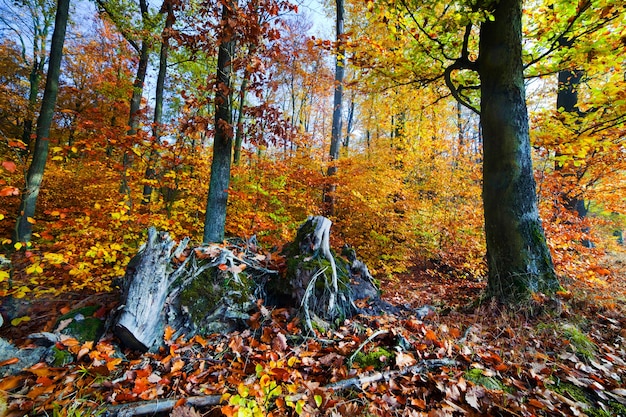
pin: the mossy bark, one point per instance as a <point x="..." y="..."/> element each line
<point x="517" y="254"/>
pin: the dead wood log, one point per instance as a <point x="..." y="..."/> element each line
<point x="213" y="288"/>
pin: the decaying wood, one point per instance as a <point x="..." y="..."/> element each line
<point x="144" y="408"/>
<point x="146" y="288"/>
<point x="360" y="381"/>
<point x="213" y="288"/>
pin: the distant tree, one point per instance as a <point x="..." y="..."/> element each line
<point x="135" y="24"/>
<point x="30" y="22"/>
<point x="168" y="10"/>
<point x="24" y="224"/>
<point x="335" y="139"/>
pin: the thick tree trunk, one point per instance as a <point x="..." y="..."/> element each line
<point x="517" y="254"/>
<point x="217" y="201"/>
<point x="24" y="227"/>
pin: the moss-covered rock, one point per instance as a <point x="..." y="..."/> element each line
<point x="81" y="324"/>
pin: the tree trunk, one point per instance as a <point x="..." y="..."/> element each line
<point x="335" y="140"/>
<point x="217" y="201"/>
<point x="517" y="254"/>
<point x="24" y="227"/>
<point x="158" y="100"/>
<point x="135" y="101"/>
<point x="239" y="134"/>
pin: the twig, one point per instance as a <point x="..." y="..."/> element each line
<point x="359" y="381"/>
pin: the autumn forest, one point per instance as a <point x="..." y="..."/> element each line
<point x="462" y="160"/>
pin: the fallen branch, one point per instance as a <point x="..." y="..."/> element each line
<point x="359" y="381"/>
<point x="164" y="406"/>
<point x="160" y="406"/>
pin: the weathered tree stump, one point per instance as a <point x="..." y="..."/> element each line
<point x="214" y="288"/>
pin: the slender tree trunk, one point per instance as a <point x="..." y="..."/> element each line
<point x="335" y="140"/>
<point x="349" y="126"/>
<point x="34" y="78"/>
<point x="217" y="201"/>
<point x="158" y="100"/>
<point x="517" y="254"/>
<point x="239" y="134"/>
<point x="135" y="101"/>
<point x="24" y="227"/>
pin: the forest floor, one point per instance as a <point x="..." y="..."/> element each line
<point x="566" y="357"/>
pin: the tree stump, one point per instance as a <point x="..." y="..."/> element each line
<point x="214" y="288"/>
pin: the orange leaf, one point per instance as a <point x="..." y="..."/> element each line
<point x="430" y="335"/>
<point x="222" y="267"/>
<point x="44" y="381"/>
<point x="7" y="191"/>
<point x="168" y="333"/>
<point x="177" y="365"/>
<point x="11" y="382"/>
<point x="9" y="362"/>
<point x="9" y="166"/>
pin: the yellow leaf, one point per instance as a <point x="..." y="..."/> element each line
<point x="31" y="220"/>
<point x="18" y="245"/>
<point x="97" y="206"/>
<point x="16" y="321"/>
<point x="57" y="158"/>
<point x="1" y="216"/>
<point x="55" y="213"/>
<point x="74" y="149"/>
<point x="4" y="275"/>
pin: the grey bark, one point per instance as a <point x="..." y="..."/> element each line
<point x="158" y="99"/>
<point x="23" y="228"/>
<point x="335" y="140"/>
<point x="135" y="101"/>
<point x="517" y="254"/>
<point x="146" y="286"/>
<point x="217" y="201"/>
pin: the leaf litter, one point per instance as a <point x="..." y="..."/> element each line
<point x="455" y="361"/>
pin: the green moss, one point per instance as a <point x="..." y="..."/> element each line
<point x="572" y="391"/>
<point x="584" y="347"/>
<point x="476" y="376"/>
<point x="584" y="396"/>
<point x="83" y="325"/>
<point x="206" y="293"/>
<point x="85" y="311"/>
<point x="378" y="358"/>
<point x="61" y="357"/>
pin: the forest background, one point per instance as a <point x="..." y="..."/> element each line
<point x="408" y="178"/>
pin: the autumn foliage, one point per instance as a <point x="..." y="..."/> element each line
<point x="407" y="199"/>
